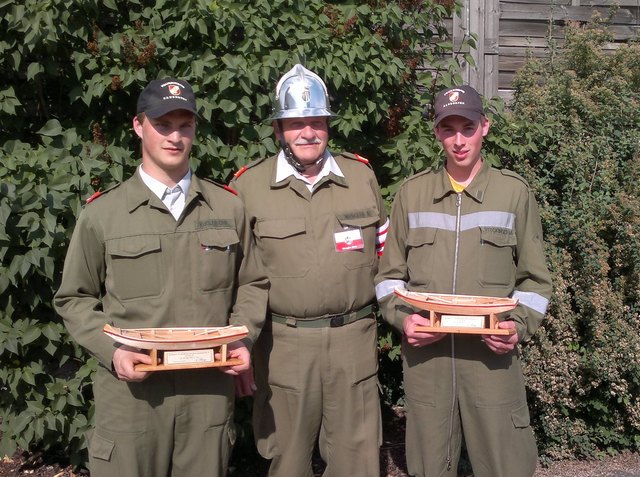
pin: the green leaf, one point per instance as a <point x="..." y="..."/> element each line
<point x="227" y="106"/>
<point x="33" y="70"/>
<point x="51" y="128"/>
<point x="21" y="422"/>
<point x="32" y="334"/>
<point x="7" y="444"/>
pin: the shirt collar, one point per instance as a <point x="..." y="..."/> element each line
<point x="284" y="169"/>
<point x="158" y="188"/>
<point x="475" y="189"/>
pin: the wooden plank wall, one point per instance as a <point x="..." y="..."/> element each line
<point x="509" y="30"/>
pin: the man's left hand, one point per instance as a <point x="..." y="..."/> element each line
<point x="237" y="350"/>
<point x="502" y="344"/>
<point x="245" y="385"/>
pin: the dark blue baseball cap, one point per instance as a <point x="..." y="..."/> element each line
<point x="458" y="101"/>
<point x="161" y="96"/>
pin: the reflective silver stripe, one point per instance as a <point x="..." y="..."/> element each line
<point x="386" y="287"/>
<point x="532" y="300"/>
<point x="434" y="220"/>
<point x="441" y="221"/>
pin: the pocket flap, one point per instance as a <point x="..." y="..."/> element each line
<point x="133" y="246"/>
<point x="498" y="236"/>
<point x="280" y="228"/>
<point x="101" y="447"/>
<point x="520" y="417"/>
<point x="218" y="238"/>
<point x="421" y="236"/>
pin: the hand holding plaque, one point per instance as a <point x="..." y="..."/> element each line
<point x="181" y="348"/>
<point x="467" y="314"/>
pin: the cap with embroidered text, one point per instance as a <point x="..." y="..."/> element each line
<point x="458" y="101"/>
<point x="162" y="96"/>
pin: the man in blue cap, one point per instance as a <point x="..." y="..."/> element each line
<point x="163" y="249"/>
<point x="465" y="229"/>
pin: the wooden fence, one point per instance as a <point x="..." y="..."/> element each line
<point x="510" y="30"/>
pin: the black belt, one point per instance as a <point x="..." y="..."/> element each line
<point x="333" y="321"/>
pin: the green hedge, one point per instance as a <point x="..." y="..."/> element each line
<point x="580" y="112"/>
<point x="71" y="72"/>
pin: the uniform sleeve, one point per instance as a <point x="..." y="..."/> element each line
<point x="250" y="306"/>
<point x="78" y="299"/>
<point x="392" y="271"/>
<point x="533" y="281"/>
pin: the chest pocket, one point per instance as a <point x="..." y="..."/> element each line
<point x="365" y="257"/>
<point x="284" y="246"/>
<point x="421" y="252"/>
<point x="497" y="257"/>
<point x="217" y="258"/>
<point x="134" y="268"/>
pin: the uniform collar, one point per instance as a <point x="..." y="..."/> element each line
<point x="139" y="193"/>
<point x="158" y="188"/>
<point x="475" y="190"/>
<point x="284" y="170"/>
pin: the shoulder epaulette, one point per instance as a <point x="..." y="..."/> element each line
<point x="357" y="157"/>
<point x="100" y="193"/>
<point x="423" y="173"/>
<point x="515" y="175"/>
<point x="240" y="171"/>
<point x="230" y="189"/>
<point x="93" y="197"/>
<point x="246" y="167"/>
<point x="222" y="186"/>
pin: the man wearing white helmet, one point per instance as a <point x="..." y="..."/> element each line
<point x="319" y="224"/>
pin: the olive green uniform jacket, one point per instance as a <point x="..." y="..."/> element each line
<point x="131" y="264"/>
<point x="321" y="379"/>
<point x="486" y="240"/>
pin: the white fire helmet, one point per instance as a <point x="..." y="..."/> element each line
<point x="300" y="93"/>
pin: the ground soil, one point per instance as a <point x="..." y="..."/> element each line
<point x="392" y="463"/>
<point x="623" y="465"/>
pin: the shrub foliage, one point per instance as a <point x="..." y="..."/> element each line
<point x="71" y="72"/>
<point x="584" y="163"/>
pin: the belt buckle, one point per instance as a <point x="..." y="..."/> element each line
<point x="336" y="321"/>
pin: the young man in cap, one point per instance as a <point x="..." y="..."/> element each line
<point x="163" y="249"/>
<point x="319" y="223"/>
<point x="467" y="229"/>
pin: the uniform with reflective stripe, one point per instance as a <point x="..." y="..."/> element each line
<point x="500" y="253"/>
<point x="486" y="240"/>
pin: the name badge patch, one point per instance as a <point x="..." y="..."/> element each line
<point x="349" y="239"/>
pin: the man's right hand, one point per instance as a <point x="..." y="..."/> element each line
<point x="124" y="359"/>
<point x="419" y="338"/>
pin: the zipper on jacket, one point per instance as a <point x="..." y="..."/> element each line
<point x="454" y="386"/>
<point x="455" y="253"/>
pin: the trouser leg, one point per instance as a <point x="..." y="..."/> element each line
<point x="175" y="423"/>
<point x="204" y="432"/>
<point x="130" y="438"/>
<point x="433" y="433"/>
<point x="351" y="433"/>
<point x="494" y="411"/>
<point x="287" y="405"/>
